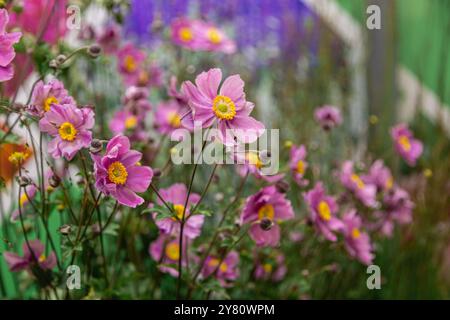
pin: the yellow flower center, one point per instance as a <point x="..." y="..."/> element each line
<point x="356" y="233"/>
<point x="41" y="258"/>
<point x="324" y="210"/>
<point x="17" y="157"/>
<point x="174" y="119"/>
<point x="130" y="63"/>
<point x="404" y="142"/>
<point x="389" y="183"/>
<point x="186" y="34"/>
<point x="48" y="102"/>
<point x="266" y="211"/>
<point x="130" y="122"/>
<point x="67" y="131"/>
<point x="224" y="108"/>
<point x="215" y="262"/>
<point x="253" y="159"/>
<point x="356" y="179"/>
<point x="178" y="208"/>
<point x="267" y="267"/>
<point x="23" y="199"/>
<point x="173" y="251"/>
<point x="117" y="173"/>
<point x="214" y="36"/>
<point x="301" y="167"/>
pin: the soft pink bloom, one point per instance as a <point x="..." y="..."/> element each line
<point x="298" y="165"/>
<point x="251" y="163"/>
<point x="7" y="53"/>
<point x="26" y="196"/>
<point x="323" y="209"/>
<point x="228" y="107"/>
<point x="406" y="146"/>
<point x="45" y="95"/>
<point x="109" y="38"/>
<point x="176" y="195"/>
<point x="380" y="176"/>
<point x="328" y="117"/>
<point x="165" y="250"/>
<point x="357" y="242"/>
<point x="119" y="174"/>
<point x="226" y="272"/>
<point x="396" y="208"/>
<point x="35" y="12"/>
<point x="136" y="101"/>
<point x="363" y="191"/>
<point x="214" y="39"/>
<point x="70" y="128"/>
<point x="264" y="210"/>
<point x="125" y="122"/>
<point x="150" y="76"/>
<point x="168" y="116"/>
<point x="131" y="60"/>
<point x="273" y="269"/>
<point x="32" y="255"/>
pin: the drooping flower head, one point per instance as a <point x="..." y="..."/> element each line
<point x="32" y="255"/>
<point x="168" y="116"/>
<point x="7" y="52"/>
<point x="131" y="60"/>
<point x="380" y="176"/>
<point x="298" y="164"/>
<point x="357" y="242"/>
<point x="271" y="267"/>
<point x="70" y="128"/>
<point x="323" y="209"/>
<point x="365" y="192"/>
<point x="227" y="107"/>
<point x="264" y="210"/>
<point x="225" y="271"/>
<point x="165" y="250"/>
<point x="328" y="117"/>
<point x="406" y="146"/>
<point x="176" y="195"/>
<point x="45" y="95"/>
<point x="26" y="196"/>
<point x="119" y="174"/>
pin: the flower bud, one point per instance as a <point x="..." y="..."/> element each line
<point x="282" y="186"/>
<point x="96" y="146"/>
<point x="157" y="172"/>
<point x="94" y="50"/>
<point x="266" y="224"/>
<point x="54" y="181"/>
<point x="23" y="181"/>
<point x="65" y="229"/>
<point x="53" y="64"/>
<point x="60" y="59"/>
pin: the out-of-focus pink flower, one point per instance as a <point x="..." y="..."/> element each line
<point x="298" y="164"/>
<point x="37" y="14"/>
<point x="273" y="269"/>
<point x="27" y="195"/>
<point x="406" y="146"/>
<point x="136" y="101"/>
<point x="150" y="76"/>
<point x="365" y="192"/>
<point x="227" y="271"/>
<point x="165" y="250"/>
<point x="7" y="52"/>
<point x="264" y="210"/>
<point x="176" y="194"/>
<point x="131" y="60"/>
<point x="125" y="122"/>
<point x="228" y="107"/>
<point x="119" y="174"/>
<point x="253" y="164"/>
<point x="32" y="255"/>
<point x="45" y="95"/>
<point x="322" y="212"/>
<point x="168" y="116"/>
<point x="380" y="176"/>
<point x="328" y="117"/>
<point x="109" y="38"/>
<point x="198" y="35"/>
<point x="397" y="207"/>
<point x="173" y="92"/>
<point x="357" y="242"/>
<point x="70" y="128"/>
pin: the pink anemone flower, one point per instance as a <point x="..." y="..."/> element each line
<point x="7" y="52"/>
<point x="406" y="146"/>
<point x="32" y="255"/>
